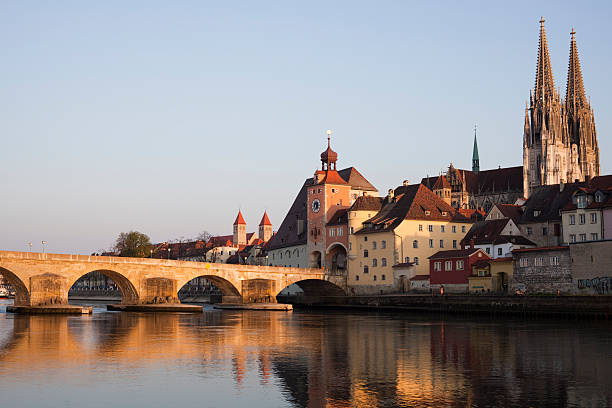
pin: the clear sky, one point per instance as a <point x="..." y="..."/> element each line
<point x="166" y="117"/>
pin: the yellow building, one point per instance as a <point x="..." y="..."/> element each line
<point x="491" y="276"/>
<point x="411" y="225"/>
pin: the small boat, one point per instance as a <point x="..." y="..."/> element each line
<point x="4" y="293"/>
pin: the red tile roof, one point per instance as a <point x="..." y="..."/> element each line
<point x="441" y="183"/>
<point x="356" y="179"/>
<point x="239" y="219"/>
<point x="456" y="253"/>
<point x="487" y="181"/>
<point x="340" y="217"/>
<point x="511" y="211"/>
<point x="332" y="177"/>
<point x="367" y="203"/>
<point x="265" y="220"/>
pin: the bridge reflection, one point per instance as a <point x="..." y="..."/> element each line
<point x="333" y="359"/>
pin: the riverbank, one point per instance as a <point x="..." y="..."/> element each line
<point x="543" y="306"/>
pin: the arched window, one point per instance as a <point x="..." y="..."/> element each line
<point x="415" y="243"/>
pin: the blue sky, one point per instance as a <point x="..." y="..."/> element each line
<point x="166" y="117"/>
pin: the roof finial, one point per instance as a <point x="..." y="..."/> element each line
<point x="329" y="132"/>
<point x="542" y="22"/>
<point x="573" y="33"/>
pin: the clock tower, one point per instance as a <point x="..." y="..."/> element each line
<point x="327" y="194"/>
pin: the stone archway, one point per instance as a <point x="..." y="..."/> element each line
<point x="22" y="294"/>
<point x="318" y="287"/>
<point x="229" y="292"/>
<point x="129" y="293"/>
<point x="336" y="258"/>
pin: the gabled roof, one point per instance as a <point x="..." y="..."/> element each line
<point x="332" y="177"/>
<point x="239" y="219"/>
<point x="511" y="211"/>
<point x="356" y="179"/>
<point x="265" y="220"/>
<point x="441" y="183"/>
<point x="456" y="253"/>
<point x="545" y="202"/>
<point x="412" y="202"/>
<point x="486" y="181"/>
<point x="367" y="203"/>
<point x="340" y="217"/>
<point x="287" y="234"/>
<point x="485" y="232"/>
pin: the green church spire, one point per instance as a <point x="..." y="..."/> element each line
<point x="475" y="159"/>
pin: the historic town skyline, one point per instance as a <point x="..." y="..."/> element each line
<point x="153" y="144"/>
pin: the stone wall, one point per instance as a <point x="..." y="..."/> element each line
<point x="536" y="272"/>
<point x="592" y="267"/>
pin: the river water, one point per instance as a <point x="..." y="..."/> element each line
<point x="300" y="359"/>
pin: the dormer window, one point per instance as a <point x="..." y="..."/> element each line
<point x="427" y="212"/>
<point x="598" y="197"/>
<point x="444" y="213"/>
<point x="536" y="213"/>
<point x="581" y="201"/>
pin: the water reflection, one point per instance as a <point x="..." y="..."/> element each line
<point x="301" y="359"/>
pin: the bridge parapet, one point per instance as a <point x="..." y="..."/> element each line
<point x="43" y="278"/>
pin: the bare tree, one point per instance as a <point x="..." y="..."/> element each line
<point x="204" y="236"/>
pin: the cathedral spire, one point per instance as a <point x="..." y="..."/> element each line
<point x="475" y="158"/>
<point x="544" y="83"/>
<point x="575" y="98"/>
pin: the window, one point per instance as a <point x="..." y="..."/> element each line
<point x="441" y="243"/>
<point x="340" y="231"/>
<point x="332" y="232"/>
<point x="352" y="230"/>
<point x="454" y="228"/>
<point x="488" y="250"/>
<point x="366" y="269"/>
<point x="499" y="251"/>
<point x="430" y="228"/>
<point x="431" y="243"/>
<point x="581" y="201"/>
<point x="529" y="231"/>
<point x="382" y="277"/>
<point x="454" y="243"/>
<point x="415" y="244"/>
<point x="356" y="277"/>
<point x="544" y="231"/>
<point x="448" y="265"/>
<point x="437" y="266"/>
<point x="407" y="259"/>
<point x="365" y="239"/>
<point x="582" y="237"/>
<point x="582" y="218"/>
<point x="593" y="218"/>
<point x="594" y="236"/>
<point x="373" y="244"/>
<point x="383" y="244"/>
<point x="442" y="228"/>
<point x="554" y="260"/>
<point x="427" y="212"/>
<point x="539" y="261"/>
<point x="374" y="262"/>
<point x="374" y="277"/>
<point x="523" y="262"/>
<point x="383" y="262"/>
<point x="416" y="260"/>
<point x="572" y="237"/>
<point x="333" y="190"/>
<point x="365" y="253"/>
<point x="572" y="219"/>
<point x="420" y="227"/>
<point x="459" y="265"/>
<point x="463" y="228"/>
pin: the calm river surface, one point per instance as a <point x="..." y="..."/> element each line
<point x="302" y="359"/>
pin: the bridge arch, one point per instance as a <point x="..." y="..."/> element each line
<point x="317" y="287"/>
<point x="228" y="289"/>
<point x="22" y="294"/>
<point x="129" y="293"/>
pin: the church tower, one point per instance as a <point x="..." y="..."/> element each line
<point x="475" y="158"/>
<point x="265" y="228"/>
<point x="239" y="237"/>
<point x="559" y="139"/>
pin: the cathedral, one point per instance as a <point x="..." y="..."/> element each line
<point x="560" y="140"/>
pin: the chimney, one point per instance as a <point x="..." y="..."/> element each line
<point x="472" y="243"/>
<point x="462" y="244"/>
<point x="406" y="183"/>
<point x="391" y="194"/>
<point x="561" y="186"/>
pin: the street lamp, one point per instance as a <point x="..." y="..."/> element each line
<point x="30" y="244"/>
<point x="43" y="245"/>
<point x="151" y="253"/>
<point x="169" y="253"/>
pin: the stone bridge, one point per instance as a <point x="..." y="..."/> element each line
<point x="42" y="278"/>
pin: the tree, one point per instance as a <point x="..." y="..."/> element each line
<point x="204" y="236"/>
<point x="133" y="244"/>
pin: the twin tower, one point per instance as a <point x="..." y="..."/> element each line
<point x="560" y="140"/>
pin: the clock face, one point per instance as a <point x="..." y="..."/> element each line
<point x="316" y="205"/>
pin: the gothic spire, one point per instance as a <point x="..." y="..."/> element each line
<point x="544" y="83"/>
<point x="475" y="158"/>
<point x="574" y="96"/>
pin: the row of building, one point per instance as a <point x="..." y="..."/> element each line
<point x="545" y="226"/>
